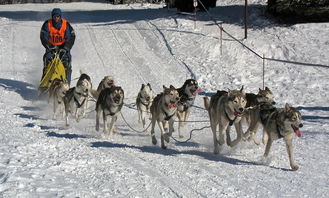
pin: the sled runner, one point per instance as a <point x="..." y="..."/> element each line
<point x="54" y="69"/>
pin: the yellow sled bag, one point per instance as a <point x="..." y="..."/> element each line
<point x="55" y="69"/>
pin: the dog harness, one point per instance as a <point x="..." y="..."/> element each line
<point x="77" y="102"/>
<point x="57" y="37"/>
<point x="146" y="105"/>
<point x="186" y="101"/>
<point x="231" y="122"/>
<point x="168" y="117"/>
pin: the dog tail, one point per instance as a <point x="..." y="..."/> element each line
<point x="94" y="93"/>
<point x="206" y="103"/>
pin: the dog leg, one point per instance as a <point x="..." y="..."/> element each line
<point x="288" y="140"/>
<point x="143" y="118"/>
<point x="154" y="140"/>
<point x="221" y="129"/>
<point x="160" y="123"/>
<point x="213" y="129"/>
<point x="265" y="137"/>
<point x="113" y="120"/>
<point x="106" y="131"/>
<point x="268" y="147"/>
<point x="54" y="109"/>
<point x="97" y="118"/>
<point x="180" y="124"/>
<point x="67" y="114"/>
<point x="171" y="129"/>
<point x="238" y="128"/>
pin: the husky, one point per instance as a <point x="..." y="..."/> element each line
<point x="187" y="94"/>
<point x="76" y="98"/>
<point x="106" y="82"/>
<point x="283" y="123"/>
<point x="163" y="109"/>
<point x="57" y="91"/>
<point x="226" y="109"/>
<point x="144" y="102"/>
<point x="257" y="104"/>
<point x="109" y="102"/>
<point x="263" y="96"/>
<point x="257" y="116"/>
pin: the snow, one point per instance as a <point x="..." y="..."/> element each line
<point x="40" y="157"/>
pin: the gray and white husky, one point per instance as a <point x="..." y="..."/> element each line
<point x="163" y="109"/>
<point x="187" y="94"/>
<point x="109" y="102"/>
<point x="76" y="99"/>
<point x="226" y="109"/>
<point x="283" y="123"/>
<point x="144" y="102"/>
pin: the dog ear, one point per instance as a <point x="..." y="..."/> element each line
<point x="164" y="87"/>
<point x="148" y="84"/>
<point x="287" y="106"/>
<point x="241" y="90"/>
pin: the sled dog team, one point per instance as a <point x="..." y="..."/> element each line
<point x="225" y="109"/>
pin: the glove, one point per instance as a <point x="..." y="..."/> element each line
<point x="62" y="51"/>
<point x="53" y="48"/>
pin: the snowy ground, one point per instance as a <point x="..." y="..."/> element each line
<point x="39" y="157"/>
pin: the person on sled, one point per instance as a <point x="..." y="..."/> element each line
<point x="57" y="35"/>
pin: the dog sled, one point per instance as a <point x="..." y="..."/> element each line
<point x="54" y="69"/>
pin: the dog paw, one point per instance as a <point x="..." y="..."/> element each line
<point x="166" y="137"/>
<point x="294" y="167"/>
<point x="154" y="141"/>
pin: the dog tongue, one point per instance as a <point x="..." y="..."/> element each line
<point x="197" y="91"/>
<point x="298" y="133"/>
<point x="171" y="105"/>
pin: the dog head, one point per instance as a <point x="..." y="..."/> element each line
<point x="171" y="96"/>
<point x="265" y="96"/>
<point x="63" y="87"/>
<point x="292" y="120"/>
<point x="191" y="87"/>
<point x="83" y="87"/>
<point x="237" y="101"/>
<point x="107" y="82"/>
<point x="116" y="95"/>
<point x="146" y="92"/>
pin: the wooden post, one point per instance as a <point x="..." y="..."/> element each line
<point x="195" y="4"/>
<point x="221" y="39"/>
<point x="245" y="18"/>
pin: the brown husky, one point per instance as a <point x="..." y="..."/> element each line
<point x="225" y="109"/>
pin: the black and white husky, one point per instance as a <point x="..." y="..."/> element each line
<point x="187" y="94"/>
<point x="109" y="102"/>
<point x="76" y="99"/>
<point x="143" y="102"/>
